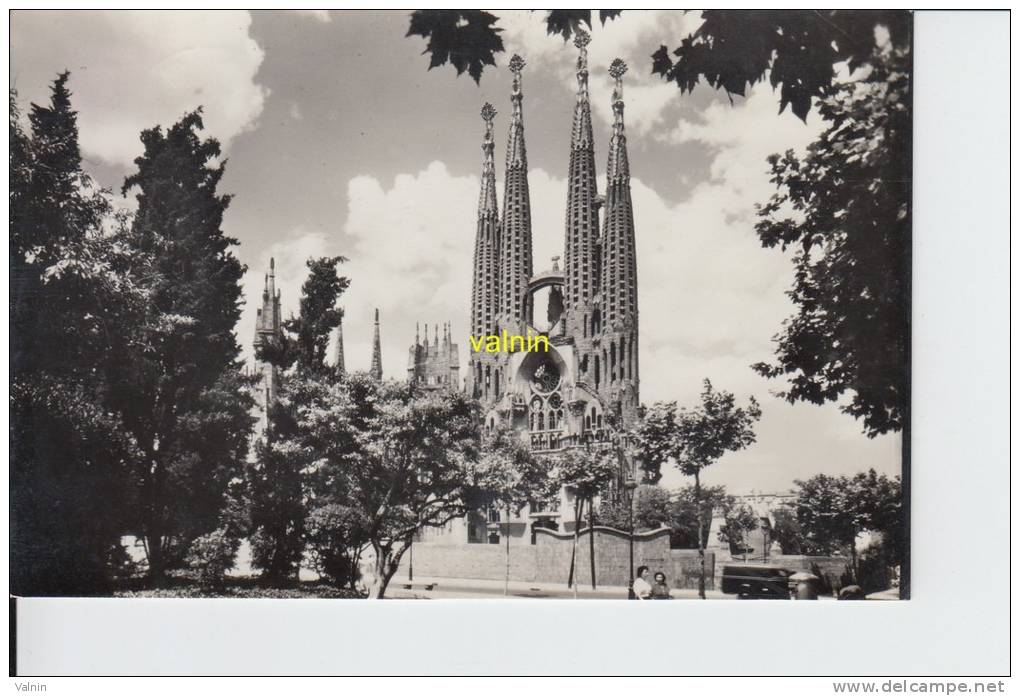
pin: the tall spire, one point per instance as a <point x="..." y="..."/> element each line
<point x="618" y="164"/>
<point x="515" y="247"/>
<point x="376" y="369"/>
<point x="485" y="290"/>
<point x="580" y="254"/>
<point x="338" y="362"/>
<point x="619" y="307"/>
<point x="580" y="135"/>
<point x="267" y="330"/>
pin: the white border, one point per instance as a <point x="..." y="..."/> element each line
<point x="957" y="622"/>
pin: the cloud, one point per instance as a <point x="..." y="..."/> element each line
<point x="318" y="15"/>
<point x="133" y="70"/>
<point x="633" y="37"/>
<point x="711" y="298"/>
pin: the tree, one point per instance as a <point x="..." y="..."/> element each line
<point x="692" y="512"/>
<point x="75" y="303"/>
<point x="181" y="390"/>
<point x="586" y="475"/>
<point x="740" y="521"/>
<point x="336" y="534"/>
<point x="280" y="500"/>
<point x="850" y="228"/>
<point x="276" y="499"/>
<point x="834" y="510"/>
<point x="653" y="509"/>
<point x="795" y="50"/>
<point x="509" y="477"/>
<point x="469" y="39"/>
<point x="401" y="458"/>
<point x="693" y="438"/>
<point x="318" y="315"/>
<point x="786" y="530"/>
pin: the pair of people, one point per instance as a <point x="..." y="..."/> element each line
<point x="645" y="590"/>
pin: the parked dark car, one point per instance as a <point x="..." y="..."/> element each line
<point x="756" y="581"/>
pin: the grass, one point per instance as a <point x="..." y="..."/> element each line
<point x="183" y="585"/>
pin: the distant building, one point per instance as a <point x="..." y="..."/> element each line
<point x="434" y="365"/>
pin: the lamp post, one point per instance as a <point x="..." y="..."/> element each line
<point x="630" y="483"/>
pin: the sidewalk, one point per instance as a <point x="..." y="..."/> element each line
<point x="468" y="588"/>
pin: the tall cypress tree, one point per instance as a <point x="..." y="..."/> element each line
<point x="183" y="395"/>
<point x="278" y="500"/>
<point x="74" y="305"/>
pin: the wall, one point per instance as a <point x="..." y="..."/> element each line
<point x="686" y="569"/>
<point x="547" y="560"/>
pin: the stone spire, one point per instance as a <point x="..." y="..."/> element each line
<point x="618" y="163"/>
<point x="267" y="330"/>
<point x="515" y="246"/>
<point x="338" y="362"/>
<point x="619" y="269"/>
<point x="485" y="279"/>
<point x="376" y="370"/>
<point x="580" y="265"/>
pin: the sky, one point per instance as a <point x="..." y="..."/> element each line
<point x="340" y="141"/>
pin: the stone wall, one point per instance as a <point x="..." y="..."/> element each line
<point x="548" y="559"/>
<point x="686" y="569"/>
<point x="475" y="561"/>
<point x="612" y="554"/>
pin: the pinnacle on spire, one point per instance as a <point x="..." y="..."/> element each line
<point x="516" y="67"/>
<point x="515" y="154"/>
<point x="581" y="41"/>
<point x="618" y="161"/>
<point x="376" y="370"/>
<point x="581" y="136"/>
<point x="487" y="197"/>
<point x="485" y="289"/>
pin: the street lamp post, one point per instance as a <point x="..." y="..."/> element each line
<point x="630" y="484"/>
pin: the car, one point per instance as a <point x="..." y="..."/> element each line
<point x="756" y="581"/>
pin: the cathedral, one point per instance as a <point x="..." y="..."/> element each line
<point x="584" y="389"/>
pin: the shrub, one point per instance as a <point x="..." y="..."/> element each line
<point x="335" y="535"/>
<point x="211" y="556"/>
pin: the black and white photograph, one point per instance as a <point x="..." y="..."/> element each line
<point x="510" y="305"/>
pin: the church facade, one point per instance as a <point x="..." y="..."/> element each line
<point x="584" y="389"/>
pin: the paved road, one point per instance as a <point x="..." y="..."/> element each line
<point x="449" y="588"/>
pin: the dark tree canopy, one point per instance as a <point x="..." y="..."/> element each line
<point x="181" y="391"/>
<point x="844" y="210"/>
<point x="469" y="39"/>
<point x="74" y="307"/>
<point x="796" y="49"/>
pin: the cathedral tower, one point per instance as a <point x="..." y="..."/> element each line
<point x="580" y="253"/>
<point x="485" y="284"/>
<point x="515" y="247"/>
<point x="618" y="306"/>
<point x="267" y="331"/>
<point x="376" y="370"/>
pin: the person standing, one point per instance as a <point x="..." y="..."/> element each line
<point x="642" y="589"/>
<point x="660" y="589"/>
